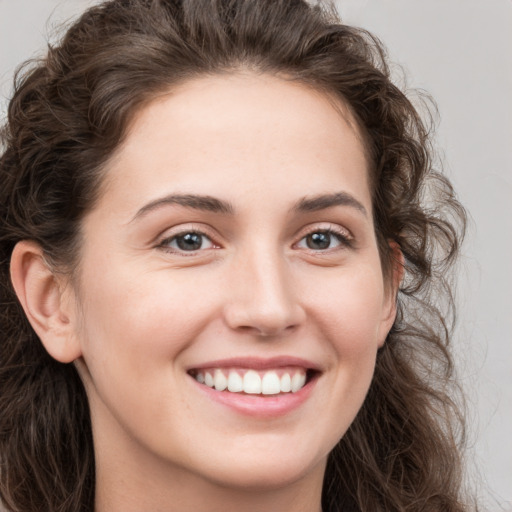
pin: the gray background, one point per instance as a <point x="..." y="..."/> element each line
<point x="460" y="51"/>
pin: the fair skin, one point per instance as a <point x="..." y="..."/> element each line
<point x="234" y="232"/>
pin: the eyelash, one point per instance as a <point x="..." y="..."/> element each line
<point x="345" y="241"/>
<point x="343" y="237"/>
<point x="165" y="244"/>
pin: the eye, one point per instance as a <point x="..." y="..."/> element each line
<point x="322" y="240"/>
<point x="189" y="241"/>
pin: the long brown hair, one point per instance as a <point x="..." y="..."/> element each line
<point x="71" y="109"/>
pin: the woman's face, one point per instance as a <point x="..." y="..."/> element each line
<point x="233" y="243"/>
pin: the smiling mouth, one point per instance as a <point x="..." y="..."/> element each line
<point x="269" y="382"/>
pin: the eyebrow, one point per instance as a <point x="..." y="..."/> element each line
<point x="196" y="202"/>
<point x="212" y="204"/>
<point x="324" y="201"/>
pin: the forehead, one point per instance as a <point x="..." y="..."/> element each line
<point x="260" y="128"/>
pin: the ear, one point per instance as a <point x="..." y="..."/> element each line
<point x="43" y="297"/>
<point x="391" y="291"/>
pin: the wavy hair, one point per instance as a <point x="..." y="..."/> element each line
<point x="70" y="111"/>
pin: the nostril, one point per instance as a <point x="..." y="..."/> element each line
<point x="265" y="329"/>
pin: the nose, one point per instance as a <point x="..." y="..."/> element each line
<point x="262" y="299"/>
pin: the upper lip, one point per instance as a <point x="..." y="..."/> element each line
<point x="258" y="363"/>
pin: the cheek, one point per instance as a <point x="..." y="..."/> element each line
<point x="134" y="331"/>
<point x="141" y="320"/>
<point x="348" y="313"/>
<point x="350" y="309"/>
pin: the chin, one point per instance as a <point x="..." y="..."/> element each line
<point x="264" y="472"/>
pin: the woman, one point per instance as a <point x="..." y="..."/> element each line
<point x="218" y="271"/>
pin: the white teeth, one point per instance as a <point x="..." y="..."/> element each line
<point x="286" y="383"/>
<point x="298" y="381"/>
<point x="220" y="381"/>
<point x="252" y="383"/>
<point x="270" y="384"/>
<point x="235" y="382"/>
<point x="208" y="380"/>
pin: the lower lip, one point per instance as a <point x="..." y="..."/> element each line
<point x="260" y="405"/>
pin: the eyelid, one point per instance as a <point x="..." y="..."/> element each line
<point x="183" y="229"/>
<point x="326" y="227"/>
<point x="344" y="234"/>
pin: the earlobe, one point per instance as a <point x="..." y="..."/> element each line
<point x="391" y="292"/>
<point x="398" y="267"/>
<point x="41" y="294"/>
